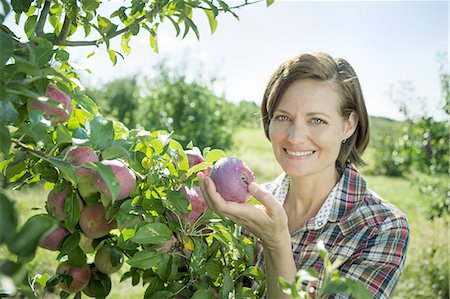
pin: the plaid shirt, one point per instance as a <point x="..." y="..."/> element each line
<point x="367" y="233"/>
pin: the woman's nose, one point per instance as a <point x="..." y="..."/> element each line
<point x="297" y="133"/>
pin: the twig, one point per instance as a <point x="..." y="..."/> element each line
<point x="65" y="29"/>
<point x="42" y="18"/>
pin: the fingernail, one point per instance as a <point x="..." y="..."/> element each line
<point x="252" y="187"/>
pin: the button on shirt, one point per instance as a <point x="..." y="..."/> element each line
<point x="356" y="225"/>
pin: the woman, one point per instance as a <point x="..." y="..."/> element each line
<point x="314" y="115"/>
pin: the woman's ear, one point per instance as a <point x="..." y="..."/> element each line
<point x="351" y="124"/>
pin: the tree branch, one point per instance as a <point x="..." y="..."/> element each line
<point x="42" y="18"/>
<point x="100" y="40"/>
<point x="65" y="29"/>
<point x="64" y="42"/>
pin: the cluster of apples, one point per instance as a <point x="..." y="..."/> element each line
<point x="230" y="175"/>
<point x="92" y="197"/>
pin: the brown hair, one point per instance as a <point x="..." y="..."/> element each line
<point x="321" y="66"/>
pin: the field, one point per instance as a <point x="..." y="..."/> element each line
<point x="429" y="241"/>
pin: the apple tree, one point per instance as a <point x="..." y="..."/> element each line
<point x="115" y="192"/>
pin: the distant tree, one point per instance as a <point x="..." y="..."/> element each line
<point x="189" y="109"/>
<point x="119" y="99"/>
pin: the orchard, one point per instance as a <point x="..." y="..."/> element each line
<point x="116" y="195"/>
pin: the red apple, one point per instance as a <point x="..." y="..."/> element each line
<point x="78" y="155"/>
<point x="126" y="178"/>
<point x="56" y="201"/>
<point x="74" y="278"/>
<point x="167" y="246"/>
<point x="231" y="177"/>
<point x="93" y="221"/>
<point x="53" y="240"/>
<point x="198" y="204"/>
<point x="108" y="259"/>
<point x="56" y="113"/>
<point x="194" y="157"/>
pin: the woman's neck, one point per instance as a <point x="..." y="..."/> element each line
<point x="307" y="194"/>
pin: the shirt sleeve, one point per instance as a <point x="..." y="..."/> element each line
<point x="379" y="263"/>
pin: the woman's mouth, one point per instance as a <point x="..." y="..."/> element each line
<point x="299" y="153"/>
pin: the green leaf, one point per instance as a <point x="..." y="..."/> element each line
<point x="212" y="20"/>
<point x="108" y="177"/>
<point x="180" y="201"/>
<point x="6" y="49"/>
<point x="153" y="233"/>
<point x="154" y="41"/>
<point x="214" y="155"/>
<point x="269" y="2"/>
<point x="43" y="52"/>
<point x="8" y="219"/>
<point x="30" y="26"/>
<point x="114" y="152"/>
<point x="228" y="285"/>
<point x="359" y="290"/>
<point x="144" y="259"/>
<point x="112" y="56"/>
<point x="87" y="104"/>
<point x="61" y="55"/>
<point x="101" y="133"/>
<point x="27" y="240"/>
<point x="72" y="211"/>
<point x="20" y="6"/>
<point x="335" y="287"/>
<point x="202" y="294"/>
<point x="125" y="43"/>
<point x="5" y="140"/>
<point x="66" y="169"/>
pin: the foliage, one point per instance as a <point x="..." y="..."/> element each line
<point x="32" y="147"/>
<point x="331" y="284"/>
<point x="424" y="146"/>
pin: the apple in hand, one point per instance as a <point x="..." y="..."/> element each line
<point x="231" y="177"/>
<point x="53" y="240"/>
<point x="93" y="221"/>
<point x="125" y="177"/>
<point x="57" y="113"/>
<point x="108" y="259"/>
<point x="56" y="201"/>
<point x="74" y="278"/>
<point x="198" y="204"/>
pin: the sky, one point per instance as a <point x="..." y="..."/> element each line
<point x="388" y="43"/>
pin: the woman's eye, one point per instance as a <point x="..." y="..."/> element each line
<point x="282" y="117"/>
<point x="317" y="121"/>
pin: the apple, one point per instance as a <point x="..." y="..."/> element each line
<point x="56" y="113"/>
<point x="93" y="221"/>
<point x="56" y="201"/>
<point x="231" y="177"/>
<point x="125" y="177"/>
<point x="74" y="278"/>
<point x="100" y="282"/>
<point x="78" y="155"/>
<point x="53" y="240"/>
<point x="198" y="204"/>
<point x="194" y="157"/>
<point x="108" y="259"/>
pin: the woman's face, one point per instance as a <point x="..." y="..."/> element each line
<point x="307" y="129"/>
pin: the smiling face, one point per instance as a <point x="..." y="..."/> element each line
<point x="307" y="128"/>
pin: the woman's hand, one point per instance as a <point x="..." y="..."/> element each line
<point x="268" y="221"/>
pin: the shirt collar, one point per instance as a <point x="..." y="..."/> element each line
<point x="340" y="202"/>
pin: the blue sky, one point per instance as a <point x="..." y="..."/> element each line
<point x="386" y="42"/>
